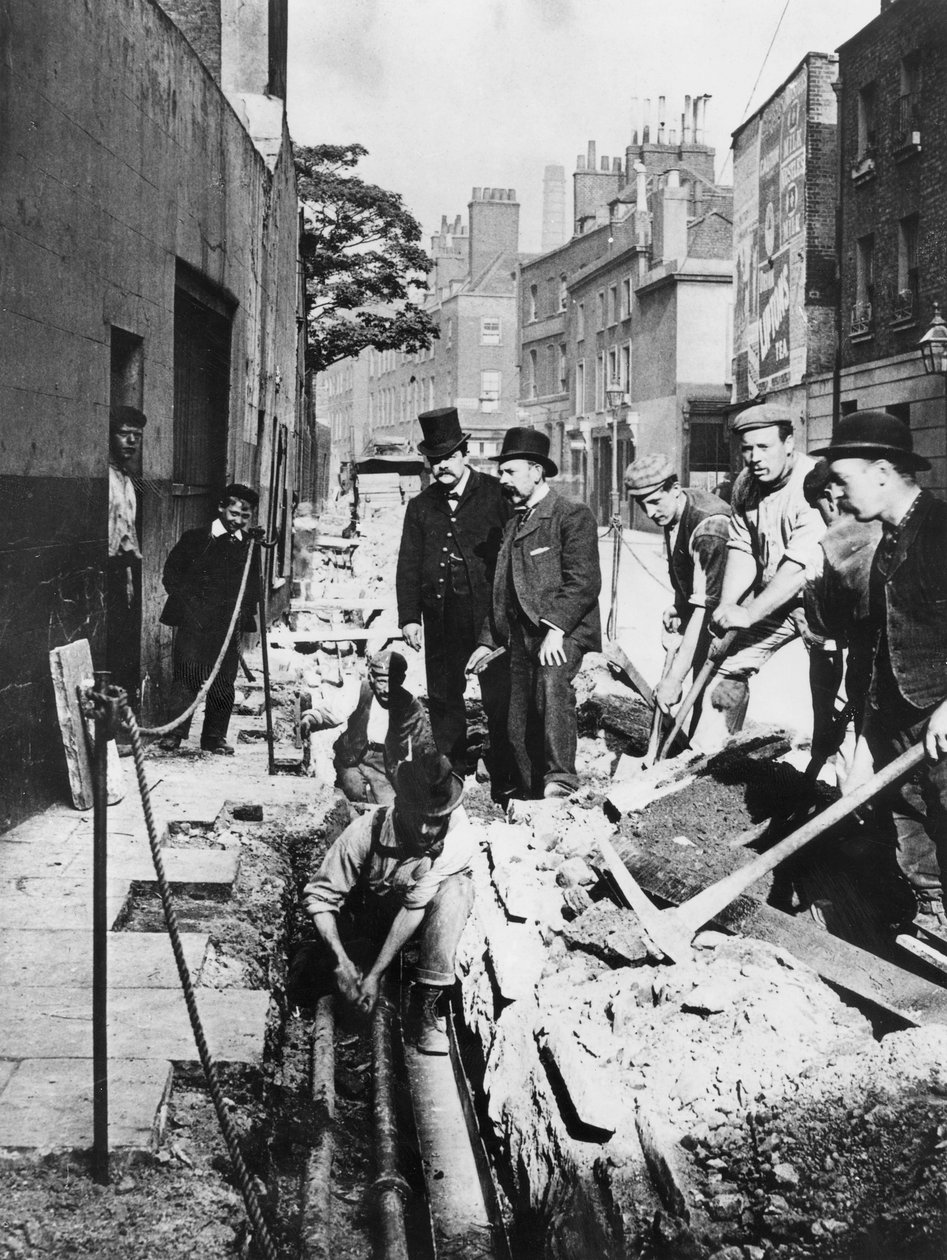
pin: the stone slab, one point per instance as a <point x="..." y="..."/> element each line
<point x="590" y="1086"/>
<point x="139" y="960"/>
<point x="56" y="1022"/>
<point x="46" y="1105"/>
<point x="48" y="908"/>
<point x="184" y="868"/>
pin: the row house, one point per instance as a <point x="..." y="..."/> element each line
<point x="640" y="298"/>
<point x="892" y="162"/>
<point x="149" y="218"/>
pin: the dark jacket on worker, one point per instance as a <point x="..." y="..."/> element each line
<point x="548" y="571"/>
<point x="429" y="537"/>
<point x="915" y="604"/>
<point x="701" y="539"/>
<point x="202" y="577"/>
<point x="408" y="733"/>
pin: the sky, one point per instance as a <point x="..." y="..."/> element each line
<point x="451" y="94"/>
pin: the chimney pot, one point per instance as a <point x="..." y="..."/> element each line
<point x="476" y="194"/>
<point x="580" y="162"/>
<point x="591" y="155"/>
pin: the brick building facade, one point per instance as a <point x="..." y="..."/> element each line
<point x="149" y="219"/>
<point x="892" y="94"/>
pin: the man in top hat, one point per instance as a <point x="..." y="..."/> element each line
<point x="388" y="725"/>
<point x="123" y="573"/>
<point x="773" y="536"/>
<point x="395" y="874"/>
<point x="696" y="530"/>
<point x="446" y="562"/>
<point x="873" y="462"/>
<point x="544" y="611"/>
<point x="202" y="576"/>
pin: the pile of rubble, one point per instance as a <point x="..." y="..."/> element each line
<point x="730" y="1106"/>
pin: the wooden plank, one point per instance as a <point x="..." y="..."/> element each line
<point x="347" y="635"/>
<point x="334" y="544"/>
<point x="670" y="877"/>
<point x="70" y="666"/>
<point x="380" y="604"/>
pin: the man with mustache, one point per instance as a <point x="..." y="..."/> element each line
<point x="448" y="552"/>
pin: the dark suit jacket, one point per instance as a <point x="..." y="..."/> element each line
<point x="202" y="577"/>
<point x="550" y="566"/>
<point x="408" y="728"/>
<point x="427" y="537"/>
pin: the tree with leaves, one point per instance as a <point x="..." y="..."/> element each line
<point x="362" y="258"/>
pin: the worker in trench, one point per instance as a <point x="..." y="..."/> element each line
<point x="202" y="576"/>
<point x="384" y="725"/>
<point x="696" y="530"/>
<point x="874" y="464"/>
<point x="773" y="536"/>
<point x="395" y="875"/>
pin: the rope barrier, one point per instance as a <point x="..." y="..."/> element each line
<point x="206" y="686"/>
<point x="262" y="1237"/>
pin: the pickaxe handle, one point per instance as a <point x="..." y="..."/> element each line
<point x="707" y="670"/>
<point x="700" y="909"/>
<point x="657" y="719"/>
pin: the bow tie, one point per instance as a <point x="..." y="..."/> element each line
<point x="452" y="496"/>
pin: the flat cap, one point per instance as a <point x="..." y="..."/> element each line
<point x="647" y="473"/>
<point x="760" y="417"/>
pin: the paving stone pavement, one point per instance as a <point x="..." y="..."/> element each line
<point x="46" y="946"/>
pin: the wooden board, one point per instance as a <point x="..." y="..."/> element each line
<point x="669" y="879"/>
<point x="69" y="666"/>
<point x="380" y="604"/>
<point x="347" y="634"/>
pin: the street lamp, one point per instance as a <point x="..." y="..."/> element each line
<point x="933" y="348"/>
<point x="614" y="397"/>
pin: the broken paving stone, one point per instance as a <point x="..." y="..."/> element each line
<point x="608" y="932"/>
<point x="575" y="871"/>
<point x="247" y="813"/>
<point x="785" y="1175"/>
<point x="593" y="1089"/>
<point x="709" y="998"/>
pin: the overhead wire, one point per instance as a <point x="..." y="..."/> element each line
<point x="729" y="157"/>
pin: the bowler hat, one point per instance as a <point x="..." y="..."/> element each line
<point x="427" y="785"/>
<point x="442" y="433"/>
<point x="127" y="417"/>
<point x="760" y="416"/>
<point x="527" y="443"/>
<point x="647" y="474"/>
<point x="873" y="435"/>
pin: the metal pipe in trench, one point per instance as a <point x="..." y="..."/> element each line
<point x="390" y="1187"/>
<point x="315" y="1234"/>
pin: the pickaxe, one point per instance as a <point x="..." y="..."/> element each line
<point x="673" y="930"/>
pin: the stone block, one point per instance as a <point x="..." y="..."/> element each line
<point x="42" y="958"/>
<point x="591" y="1088"/>
<point x="46" y="1105"/>
<point x="516" y="956"/>
<point x="609" y="932"/>
<point x="661" y="1152"/>
<point x="526" y="896"/>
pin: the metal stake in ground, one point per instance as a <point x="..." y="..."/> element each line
<point x="264" y="652"/>
<point x="100" y="927"/>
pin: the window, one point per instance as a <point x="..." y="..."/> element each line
<point x="908" y="118"/>
<point x="580" y="388"/>
<point x="563" y="367"/>
<point x="531" y="378"/>
<point x="864" y="285"/>
<point x="867" y="120"/>
<point x="430" y="394"/>
<point x="490" y="330"/>
<point x="625" y="369"/>
<point x="533" y="302"/>
<point x="563" y="292"/>
<point x="600" y="381"/>
<point x="626" y="297"/>
<point x="613" y="304"/>
<point x="489" y="391"/>
<point x="612" y="366"/>
<point x="905" y="303"/>
<point x="709" y="445"/>
<point x="580" y="321"/>
<point x="552" y="369"/>
<point x="601" y="309"/>
<point x="450" y="333"/>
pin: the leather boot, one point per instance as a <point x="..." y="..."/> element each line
<point x="430" y="1026"/>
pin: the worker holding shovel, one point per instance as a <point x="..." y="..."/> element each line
<point x="874" y="464"/>
<point x="773" y="536"/>
<point x="695" y="525"/>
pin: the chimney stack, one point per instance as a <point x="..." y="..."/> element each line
<point x="494" y="217"/>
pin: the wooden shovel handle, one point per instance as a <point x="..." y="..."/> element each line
<point x="709" y="667"/>
<point x="701" y="908"/>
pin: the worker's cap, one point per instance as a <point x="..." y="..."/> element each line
<point x="647" y="474"/>
<point x="427" y="785"/>
<point x="388" y="664"/>
<point x="127" y="418"/>
<point x="236" y="490"/>
<point x="873" y="435"/>
<point x="816" y="480"/>
<point x="762" y="416"/>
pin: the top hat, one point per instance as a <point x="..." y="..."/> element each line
<point x="127" y="417"/>
<point x="427" y="785"/>
<point x="442" y="433"/>
<point x="760" y="416"/>
<point x="527" y="443"/>
<point x="873" y="435"/>
<point x="647" y="474"/>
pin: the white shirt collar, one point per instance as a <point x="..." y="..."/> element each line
<point x="218" y="529"/>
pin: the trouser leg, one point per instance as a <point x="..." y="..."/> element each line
<point x="367" y="782"/>
<point x="495" y="694"/>
<point x="220" y="699"/>
<point x="521" y="737"/>
<point x="441" y="928"/>
<point x="554" y="699"/>
<point x="448" y="642"/>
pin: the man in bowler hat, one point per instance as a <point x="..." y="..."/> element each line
<point x="544" y="612"/>
<point x="873" y="461"/>
<point x="446" y="562"/>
